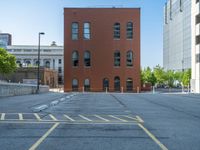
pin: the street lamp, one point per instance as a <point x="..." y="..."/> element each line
<point x="38" y="71"/>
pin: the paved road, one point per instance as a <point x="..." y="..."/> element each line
<point x="99" y="121"/>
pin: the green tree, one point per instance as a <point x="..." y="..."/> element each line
<point x="147" y="76"/>
<point x="170" y="78"/>
<point x="7" y="62"/>
<point x="159" y="74"/>
<point x="186" y="77"/>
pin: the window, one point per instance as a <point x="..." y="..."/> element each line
<point x="197" y="39"/>
<point x="105" y="84"/>
<point x="117" y="84"/>
<point x="181" y="5"/>
<point x="75" y="59"/>
<point x="87" y="85"/>
<point x="117" y="31"/>
<point x="74" y="31"/>
<point x="129" y="85"/>
<point x="129" y="30"/>
<point x="117" y="59"/>
<point x="129" y="58"/>
<point x="74" y="85"/>
<point x="197" y="58"/>
<point x="87" y="58"/>
<point x="47" y="64"/>
<point x="60" y="61"/>
<point x="198" y="19"/>
<point x="59" y="69"/>
<point x="86" y="31"/>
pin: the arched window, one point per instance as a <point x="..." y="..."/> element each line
<point x="129" y="30"/>
<point x="129" y="85"/>
<point x="28" y="62"/>
<point x="117" y="84"/>
<point x="117" y="58"/>
<point x="105" y="84"/>
<point x="129" y="58"/>
<point x="86" y="30"/>
<point x="74" y="85"/>
<point x="75" y="58"/>
<point x="74" y="31"/>
<point x="87" y="59"/>
<point x="18" y="62"/>
<point x="87" y="85"/>
<point x="116" y="30"/>
<point x="47" y="64"/>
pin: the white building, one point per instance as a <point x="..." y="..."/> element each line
<point x="50" y="56"/>
<point x="177" y="35"/>
<point x="195" y="11"/>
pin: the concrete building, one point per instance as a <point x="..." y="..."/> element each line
<point x="177" y="35"/>
<point x="51" y="57"/>
<point x="5" y="39"/>
<point x="195" y="11"/>
<point x="102" y="49"/>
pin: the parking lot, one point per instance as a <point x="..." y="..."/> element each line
<point x="100" y="121"/>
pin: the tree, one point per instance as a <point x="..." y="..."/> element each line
<point x="7" y="62"/>
<point x="159" y="74"/>
<point x="170" y="78"/>
<point x="148" y="76"/>
<point x="186" y="77"/>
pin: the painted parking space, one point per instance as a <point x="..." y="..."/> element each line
<point x="66" y="118"/>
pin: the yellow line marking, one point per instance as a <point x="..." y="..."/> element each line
<point x="85" y="118"/>
<point x="34" y="146"/>
<point x="140" y="119"/>
<point x="3" y="116"/>
<point x="102" y="118"/>
<point x="52" y="117"/>
<point x="118" y="118"/>
<point x="131" y="117"/>
<point x="152" y="137"/>
<point x="20" y="116"/>
<point x="66" y="116"/>
<point x="71" y="123"/>
<point x="37" y="117"/>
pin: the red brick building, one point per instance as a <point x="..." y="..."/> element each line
<point x="102" y="49"/>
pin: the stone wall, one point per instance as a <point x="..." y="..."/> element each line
<point x="14" y="89"/>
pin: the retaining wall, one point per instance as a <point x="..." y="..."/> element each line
<point x="14" y="89"/>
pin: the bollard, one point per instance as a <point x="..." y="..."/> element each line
<point x="138" y="89"/>
<point x="122" y="90"/>
<point x="83" y="89"/>
<point x="106" y="90"/>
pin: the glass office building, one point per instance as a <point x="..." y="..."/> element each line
<point x="177" y="35"/>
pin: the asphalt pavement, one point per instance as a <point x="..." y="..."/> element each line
<point x="100" y="121"/>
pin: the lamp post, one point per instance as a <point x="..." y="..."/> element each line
<point x="38" y="71"/>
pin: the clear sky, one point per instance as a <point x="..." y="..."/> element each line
<point x="25" y="18"/>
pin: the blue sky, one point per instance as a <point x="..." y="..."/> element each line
<point x="25" y="18"/>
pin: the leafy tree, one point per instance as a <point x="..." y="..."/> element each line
<point x="148" y="76"/>
<point x="159" y="74"/>
<point x="170" y="78"/>
<point x="186" y="77"/>
<point x="7" y="62"/>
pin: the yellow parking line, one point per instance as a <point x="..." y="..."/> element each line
<point x="66" y="116"/>
<point x="131" y="117"/>
<point x="85" y="118"/>
<point x="118" y="118"/>
<point x="37" y="117"/>
<point x="3" y="116"/>
<point x="34" y="146"/>
<point x="152" y="137"/>
<point x="20" y="116"/>
<point x="52" y="117"/>
<point x="102" y="118"/>
<point x="140" y="119"/>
